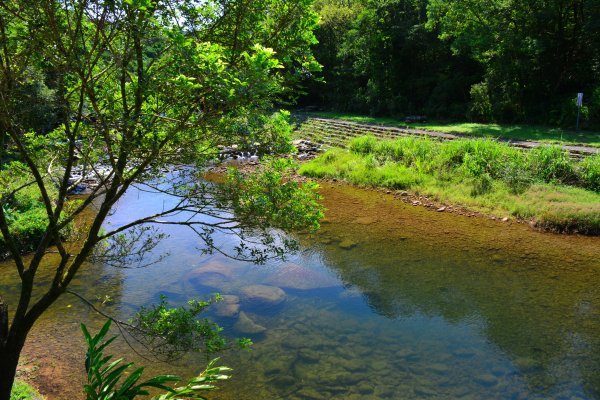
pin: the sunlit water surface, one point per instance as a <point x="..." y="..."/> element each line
<point x="387" y="301"/>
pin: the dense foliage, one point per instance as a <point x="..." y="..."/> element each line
<point x="499" y="60"/>
<point x="23" y="211"/>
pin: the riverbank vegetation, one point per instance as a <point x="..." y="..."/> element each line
<point x="478" y="129"/>
<point x="543" y="185"/>
<point x="23" y="391"/>
<point x="26" y="218"/>
<point x="24" y="212"/>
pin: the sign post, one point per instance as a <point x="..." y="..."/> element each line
<point x="579" y="104"/>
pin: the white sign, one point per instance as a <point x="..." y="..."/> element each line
<point x="579" y="99"/>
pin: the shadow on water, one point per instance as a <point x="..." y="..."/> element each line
<point x="387" y="301"/>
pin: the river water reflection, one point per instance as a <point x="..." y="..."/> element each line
<point x="387" y="301"/>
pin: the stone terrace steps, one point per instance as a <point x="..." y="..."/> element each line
<point x="337" y="133"/>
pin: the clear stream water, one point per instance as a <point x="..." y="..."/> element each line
<point x="387" y="301"/>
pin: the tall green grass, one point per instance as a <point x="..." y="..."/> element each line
<point x="481" y="157"/>
<point x="543" y="184"/>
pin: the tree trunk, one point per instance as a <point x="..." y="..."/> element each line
<point x="9" y="359"/>
<point x="10" y="350"/>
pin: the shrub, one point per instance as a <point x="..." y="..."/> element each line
<point x="551" y="164"/>
<point x="516" y="177"/>
<point x="482" y="184"/>
<point x="363" y="144"/>
<point x="26" y="215"/>
<point x="29" y="226"/>
<point x="589" y="172"/>
<point x="481" y="104"/>
<point x="391" y="150"/>
<point x="419" y="152"/>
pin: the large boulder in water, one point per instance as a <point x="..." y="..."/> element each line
<point x="246" y="325"/>
<point x="294" y="276"/>
<point x="214" y="273"/>
<point x="263" y="295"/>
<point x="229" y="306"/>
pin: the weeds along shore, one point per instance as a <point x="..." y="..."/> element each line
<point x="544" y="186"/>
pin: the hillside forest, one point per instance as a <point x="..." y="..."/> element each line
<point x="507" y="61"/>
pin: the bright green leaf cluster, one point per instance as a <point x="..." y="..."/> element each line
<point x="109" y="379"/>
<point x="172" y="330"/>
<point x="272" y="197"/>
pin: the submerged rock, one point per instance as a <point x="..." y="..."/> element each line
<point x="486" y="380"/>
<point x="526" y="364"/>
<point x="228" y="307"/>
<point x="438" y="368"/>
<point x="263" y="295"/>
<point x="309" y="393"/>
<point x="364" y="220"/>
<point x="347" y="244"/>
<point x="213" y="274"/>
<point x="227" y="310"/>
<point x="365" y="388"/>
<point x="294" y="276"/>
<point x="309" y="356"/>
<point x="245" y="324"/>
<point x="230" y="299"/>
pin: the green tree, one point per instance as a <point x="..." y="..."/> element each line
<point x="536" y="54"/>
<point x="137" y="85"/>
<point x="379" y="58"/>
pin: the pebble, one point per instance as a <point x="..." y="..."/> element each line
<point x="526" y="364"/>
<point x="486" y="380"/>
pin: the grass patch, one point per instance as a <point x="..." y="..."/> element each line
<point x="543" y="185"/>
<point x="515" y="132"/>
<point x="23" y="391"/>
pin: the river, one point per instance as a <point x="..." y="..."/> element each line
<point x="387" y="301"/>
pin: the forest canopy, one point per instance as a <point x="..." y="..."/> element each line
<point x="492" y="60"/>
